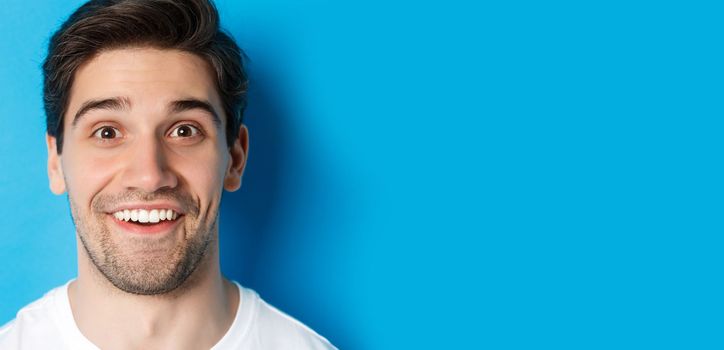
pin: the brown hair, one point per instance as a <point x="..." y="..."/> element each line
<point x="188" y="25"/>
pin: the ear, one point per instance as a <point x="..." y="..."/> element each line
<point x="55" y="168"/>
<point x="239" y="151"/>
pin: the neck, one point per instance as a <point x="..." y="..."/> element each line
<point x="195" y="315"/>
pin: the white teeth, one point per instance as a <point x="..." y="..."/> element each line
<point x="142" y="215"/>
<point x="153" y="216"/>
<point x="146" y="216"/>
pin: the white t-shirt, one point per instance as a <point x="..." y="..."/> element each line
<point x="48" y="323"/>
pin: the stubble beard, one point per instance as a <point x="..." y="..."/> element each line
<point x="162" y="270"/>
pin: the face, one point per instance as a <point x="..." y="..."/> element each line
<point x="144" y="162"/>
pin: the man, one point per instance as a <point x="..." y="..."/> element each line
<point x="144" y="100"/>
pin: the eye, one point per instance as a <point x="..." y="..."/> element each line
<point x="107" y="133"/>
<point x="185" y="131"/>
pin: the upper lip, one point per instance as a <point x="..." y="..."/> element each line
<point x="148" y="206"/>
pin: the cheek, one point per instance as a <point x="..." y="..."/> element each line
<point x="204" y="172"/>
<point x="85" y="174"/>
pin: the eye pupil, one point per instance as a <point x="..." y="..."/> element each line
<point x="184" y="131"/>
<point x="108" y="133"/>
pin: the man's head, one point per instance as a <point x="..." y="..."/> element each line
<point x="101" y="25"/>
<point x="144" y="102"/>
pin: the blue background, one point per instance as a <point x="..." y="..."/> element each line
<point x="442" y="174"/>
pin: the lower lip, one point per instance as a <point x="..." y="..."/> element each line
<point x="158" y="228"/>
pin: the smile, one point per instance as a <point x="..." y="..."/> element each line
<point x="146" y="221"/>
<point x="146" y="216"/>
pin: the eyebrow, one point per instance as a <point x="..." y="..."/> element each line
<point x="111" y="104"/>
<point x="123" y="104"/>
<point x="191" y="104"/>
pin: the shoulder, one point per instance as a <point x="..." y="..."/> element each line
<point x="33" y="326"/>
<point x="274" y="329"/>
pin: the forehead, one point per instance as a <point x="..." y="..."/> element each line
<point x="149" y="77"/>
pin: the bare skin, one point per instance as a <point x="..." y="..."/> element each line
<point x="111" y="319"/>
<point x="129" y="293"/>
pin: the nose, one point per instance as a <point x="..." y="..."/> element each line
<point x="147" y="167"/>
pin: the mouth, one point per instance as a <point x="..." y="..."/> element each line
<point x="146" y="221"/>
